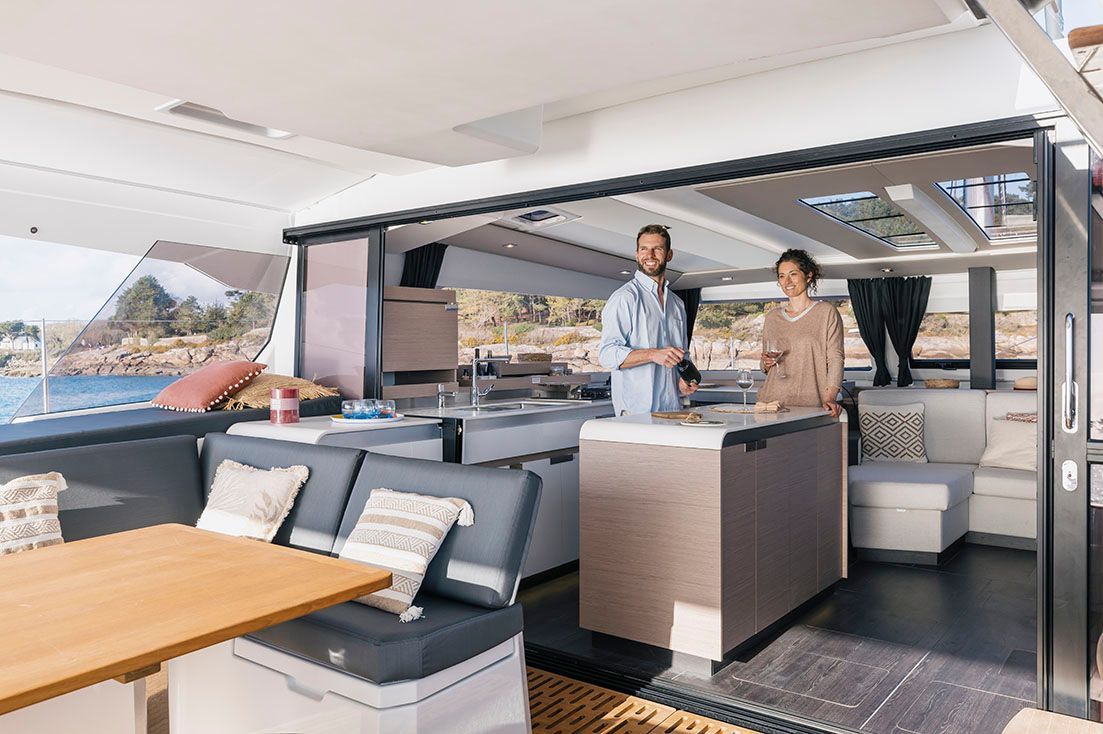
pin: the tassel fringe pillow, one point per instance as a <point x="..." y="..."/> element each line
<point x="28" y="512"/>
<point x="401" y="532"/>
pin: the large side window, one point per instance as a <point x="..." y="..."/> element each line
<point x="181" y="307"/>
<point x="569" y="329"/>
<point x="728" y="336"/>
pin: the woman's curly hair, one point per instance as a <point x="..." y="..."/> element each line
<point x="805" y="262"/>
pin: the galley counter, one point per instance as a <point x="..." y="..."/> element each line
<point x="697" y="538"/>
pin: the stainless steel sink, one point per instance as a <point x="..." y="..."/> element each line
<point x="518" y="405"/>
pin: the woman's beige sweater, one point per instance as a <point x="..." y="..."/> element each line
<point x="813" y="358"/>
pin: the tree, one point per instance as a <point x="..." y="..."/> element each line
<point x="188" y="317"/>
<point x="144" y="308"/>
<point x="250" y="309"/>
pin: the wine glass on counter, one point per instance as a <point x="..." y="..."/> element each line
<point x="775" y="348"/>
<point x="744" y="380"/>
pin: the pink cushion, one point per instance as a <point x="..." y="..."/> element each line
<point x="208" y="386"/>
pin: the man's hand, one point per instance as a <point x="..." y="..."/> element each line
<point x="686" y="388"/>
<point x="666" y="356"/>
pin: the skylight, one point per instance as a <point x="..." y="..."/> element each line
<point x="869" y="213"/>
<point x="1002" y="206"/>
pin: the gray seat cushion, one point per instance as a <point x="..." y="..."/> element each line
<point x="132" y="425"/>
<point x="998" y="482"/>
<point x="119" y="486"/>
<point x="953" y="430"/>
<point x="313" y="521"/>
<point x="910" y="486"/>
<point x="372" y="644"/>
<point x="480" y="564"/>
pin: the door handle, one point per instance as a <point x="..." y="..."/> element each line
<point x="1070" y="393"/>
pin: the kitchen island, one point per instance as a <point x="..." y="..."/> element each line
<point x="696" y="539"/>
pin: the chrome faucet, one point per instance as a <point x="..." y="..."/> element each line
<point x="476" y="393"/>
<point x="442" y="394"/>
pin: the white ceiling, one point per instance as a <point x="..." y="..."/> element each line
<point x="371" y="86"/>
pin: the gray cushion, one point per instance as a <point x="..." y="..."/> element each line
<point x="953" y="419"/>
<point x="373" y="644"/>
<point x="999" y="482"/>
<point x="314" y="519"/>
<point x="119" y="486"/>
<point x="910" y="486"/>
<point x="132" y="425"/>
<point x="480" y="564"/>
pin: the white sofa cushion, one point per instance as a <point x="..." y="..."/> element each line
<point x="910" y="486"/>
<point x="1002" y="402"/>
<point x="953" y="419"/>
<point x="1011" y="445"/>
<point x="1012" y="483"/>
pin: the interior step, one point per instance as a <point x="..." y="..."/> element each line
<point x="1033" y="721"/>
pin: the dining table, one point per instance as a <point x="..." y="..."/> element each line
<point x="85" y="622"/>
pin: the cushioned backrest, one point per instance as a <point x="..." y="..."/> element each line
<point x="999" y="404"/>
<point x="314" y="519"/>
<point x="119" y="486"/>
<point x="480" y="564"/>
<point x="953" y="430"/>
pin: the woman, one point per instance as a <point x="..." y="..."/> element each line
<point x="809" y="335"/>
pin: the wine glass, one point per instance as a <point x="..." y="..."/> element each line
<point x="744" y="381"/>
<point x="775" y="348"/>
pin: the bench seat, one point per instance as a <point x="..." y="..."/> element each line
<point x="894" y="485"/>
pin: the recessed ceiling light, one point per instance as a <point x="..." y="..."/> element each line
<point x="626" y="272"/>
<point x="424" y="221"/>
<point x="509" y="245"/>
<point x="727" y="277"/>
<point x="886" y="270"/>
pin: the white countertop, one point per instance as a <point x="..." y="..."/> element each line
<point x="545" y="407"/>
<point x="644" y="429"/>
<point x="314" y="429"/>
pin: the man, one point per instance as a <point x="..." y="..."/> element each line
<point x="643" y="332"/>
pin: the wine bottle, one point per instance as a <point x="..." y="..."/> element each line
<point x="688" y="372"/>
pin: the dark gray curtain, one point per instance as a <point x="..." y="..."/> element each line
<point x="421" y="267"/>
<point x="865" y="299"/>
<point x="904" y="302"/>
<point x="691" y="297"/>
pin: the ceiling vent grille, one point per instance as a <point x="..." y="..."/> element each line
<point x="534" y="219"/>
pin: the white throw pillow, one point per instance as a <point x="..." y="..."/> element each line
<point x="250" y="502"/>
<point x="892" y="433"/>
<point x="28" y="512"/>
<point x="1011" y="445"/>
<point x="401" y="532"/>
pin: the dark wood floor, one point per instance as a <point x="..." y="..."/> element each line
<point x="895" y="649"/>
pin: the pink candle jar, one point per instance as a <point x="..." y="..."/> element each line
<point x="285" y="405"/>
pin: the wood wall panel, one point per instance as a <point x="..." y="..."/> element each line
<point x="419" y="336"/>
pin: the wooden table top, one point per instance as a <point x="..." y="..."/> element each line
<point x="108" y="607"/>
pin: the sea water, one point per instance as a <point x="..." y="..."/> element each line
<point x="74" y="393"/>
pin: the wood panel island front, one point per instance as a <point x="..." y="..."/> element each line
<point x="698" y="538"/>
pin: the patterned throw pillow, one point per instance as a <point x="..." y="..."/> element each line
<point x="28" y="512"/>
<point x="401" y="532"/>
<point x="250" y="502"/>
<point x="892" y="433"/>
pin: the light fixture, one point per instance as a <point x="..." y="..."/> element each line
<point x="509" y="245"/>
<point x="626" y="272"/>
<point x="886" y="270"/>
<point x="183" y="108"/>
<point x="727" y="278"/>
<point x="425" y="221"/>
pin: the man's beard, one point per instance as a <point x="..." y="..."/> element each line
<point x="659" y="270"/>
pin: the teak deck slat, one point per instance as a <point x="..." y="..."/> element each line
<point x="113" y="606"/>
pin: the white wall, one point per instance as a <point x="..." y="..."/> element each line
<point x="472" y="269"/>
<point x="958" y="78"/>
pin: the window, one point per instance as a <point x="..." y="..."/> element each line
<point x="1002" y="206"/>
<point x="869" y="213"/>
<point x="510" y="323"/>
<point x="1017" y="334"/>
<point x="943" y="337"/>
<point x="728" y="336"/>
<point x="182" y="307"/>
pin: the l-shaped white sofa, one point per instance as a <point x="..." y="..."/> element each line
<point x="922" y="509"/>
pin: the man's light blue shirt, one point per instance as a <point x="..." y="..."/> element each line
<point x="633" y="319"/>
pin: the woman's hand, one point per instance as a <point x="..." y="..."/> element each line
<point x="768" y="362"/>
<point x="832" y="407"/>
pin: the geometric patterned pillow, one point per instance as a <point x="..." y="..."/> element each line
<point x="892" y="433"/>
<point x="401" y="532"/>
<point x="28" y="512"/>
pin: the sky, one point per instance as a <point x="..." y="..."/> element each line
<point x="43" y="280"/>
